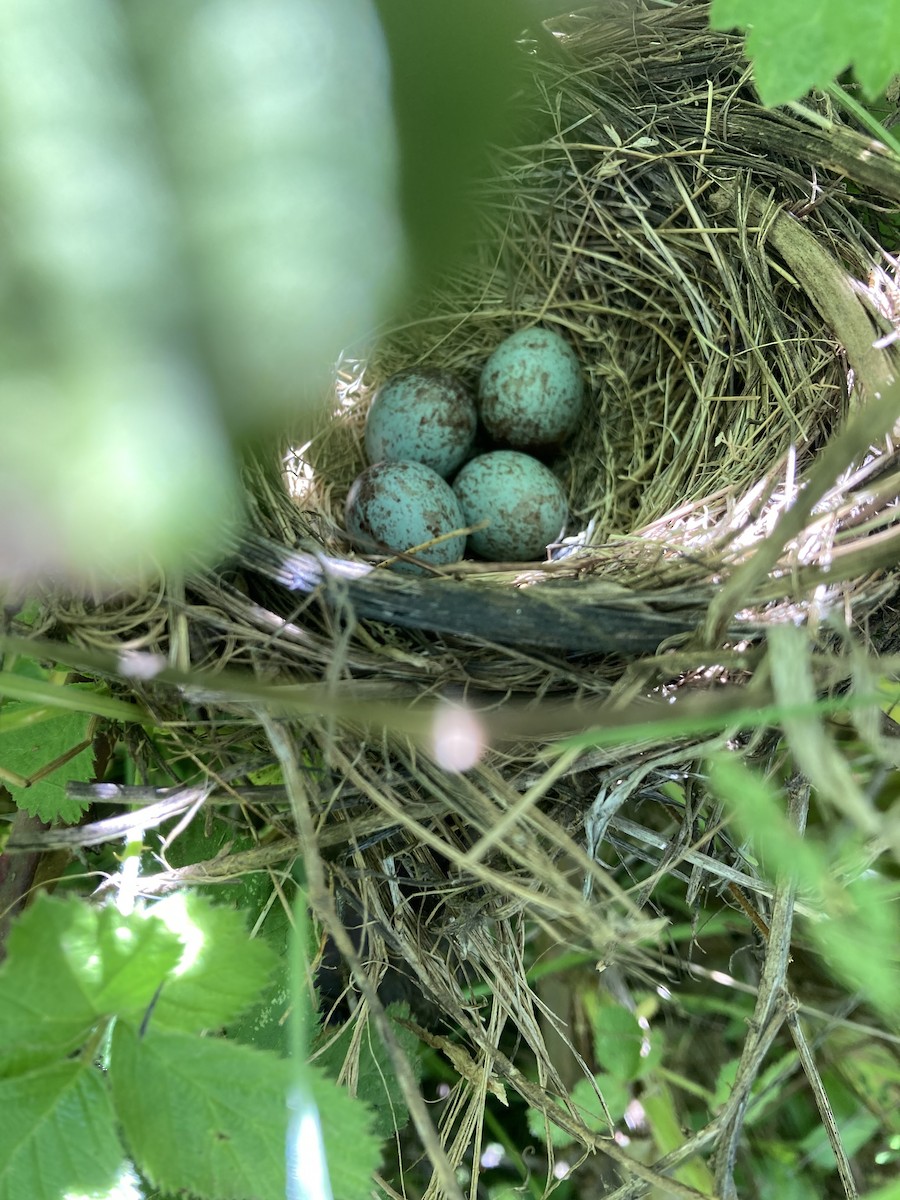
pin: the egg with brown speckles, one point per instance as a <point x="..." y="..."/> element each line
<point x="399" y="505"/>
<point x="522" y="501"/>
<point x="531" y="392"/>
<point x="422" y="415"/>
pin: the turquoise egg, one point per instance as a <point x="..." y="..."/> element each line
<point x="424" y="416"/>
<point x="522" y="501"/>
<point x="531" y="392"/>
<point x="395" y="506"/>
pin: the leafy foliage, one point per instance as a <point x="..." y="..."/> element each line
<point x="200" y="1113"/>
<point x="59" y="1133"/>
<point x="796" y="45"/>
<point x="177" y="276"/>
<point x="222" y="972"/>
<point x="183" y="1105"/>
<point x="32" y="739"/>
<point x="858" y="907"/>
<point x="376" y="1082"/>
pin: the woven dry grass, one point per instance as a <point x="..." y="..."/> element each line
<point x="716" y="267"/>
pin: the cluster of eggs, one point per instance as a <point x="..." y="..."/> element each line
<point x="420" y="432"/>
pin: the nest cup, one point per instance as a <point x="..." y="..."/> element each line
<point x="717" y="270"/>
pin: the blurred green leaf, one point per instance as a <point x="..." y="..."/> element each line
<point x="860" y="921"/>
<point x="200" y="213"/>
<point x="759" y="810"/>
<point x="618" y="1042"/>
<point x="871" y="1068"/>
<point x="587" y="1104"/>
<point x="279" y="143"/>
<point x="455" y="72"/>
<point x="796" y="45"/>
<point x="859" y="940"/>
<point x="890" y="1191"/>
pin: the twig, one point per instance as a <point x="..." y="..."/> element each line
<point x="823" y="1104"/>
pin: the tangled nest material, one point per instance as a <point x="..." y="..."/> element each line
<point x="717" y="269"/>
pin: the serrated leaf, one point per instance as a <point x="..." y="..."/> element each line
<point x="211" y="1117"/>
<point x="618" y="1042"/>
<point x="26" y="749"/>
<point x="70" y="964"/>
<point x="796" y="45"/>
<point x="586" y="1102"/>
<point x="266" y="1023"/>
<point x="540" y="1127"/>
<point x="223" y="972"/>
<point x="135" y="954"/>
<point x="587" y="1105"/>
<point x="376" y="1080"/>
<point x="58" y="1134"/>
<point x="346" y="1125"/>
<point x="45" y="1009"/>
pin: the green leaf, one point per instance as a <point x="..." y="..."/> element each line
<point x="616" y="1097"/>
<point x="26" y="748"/>
<point x="759" y="810"/>
<point x="890" y="1191"/>
<point x="200" y="1114"/>
<point x="186" y="250"/>
<point x="871" y="1069"/>
<point x="290" y="258"/>
<point x="587" y="1105"/>
<point x="860" y="920"/>
<point x="125" y="959"/>
<point x="540" y="1127"/>
<point x="211" y="1117"/>
<point x="618" y="1042"/>
<point x="797" y="45"/>
<point x="346" y="1126"/>
<point x="265" y="1024"/>
<point x="666" y="1124"/>
<point x="69" y="964"/>
<point x="58" y="1135"/>
<point x="782" y="1175"/>
<point x="45" y="1009"/>
<point x="223" y="970"/>
<point x="376" y="1081"/>
<point x="858" y="938"/>
<point x="97" y="378"/>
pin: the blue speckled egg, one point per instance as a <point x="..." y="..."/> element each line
<point x="531" y="391"/>
<point x="522" y="500"/>
<point x="398" y="505"/>
<point x="422" y="416"/>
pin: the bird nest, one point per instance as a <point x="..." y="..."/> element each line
<point x="716" y="267"/>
